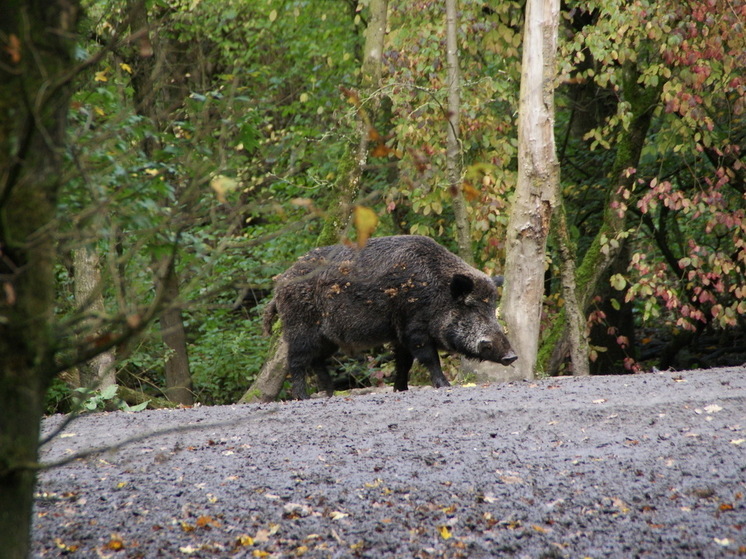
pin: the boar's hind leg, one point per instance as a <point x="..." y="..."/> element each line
<point x="322" y="373"/>
<point x="306" y="356"/>
<point x="403" y="359"/>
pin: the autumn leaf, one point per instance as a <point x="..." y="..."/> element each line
<point x="244" y="540"/>
<point x="365" y="221"/>
<point x="62" y="546"/>
<point x="115" y="543"/>
<point x="444" y="532"/>
<point x="470" y="193"/>
<point x="206" y="522"/>
<point x="13" y="48"/>
<point x="101" y="76"/>
<point x="380" y="150"/>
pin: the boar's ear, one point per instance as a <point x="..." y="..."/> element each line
<point x="498" y="280"/>
<point x="461" y="286"/>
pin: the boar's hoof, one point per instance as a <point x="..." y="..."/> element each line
<point x="441" y="383"/>
<point x="508" y="358"/>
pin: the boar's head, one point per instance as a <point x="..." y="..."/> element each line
<point x="470" y="326"/>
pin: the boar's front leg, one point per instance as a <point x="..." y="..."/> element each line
<point x="422" y="348"/>
<point x="403" y="360"/>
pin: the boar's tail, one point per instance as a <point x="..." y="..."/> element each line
<point x="270" y="313"/>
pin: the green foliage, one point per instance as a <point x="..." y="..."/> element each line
<point x="239" y="156"/>
<point x="89" y="400"/>
<point x="226" y="356"/>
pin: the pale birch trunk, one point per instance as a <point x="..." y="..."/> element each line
<point x="538" y="178"/>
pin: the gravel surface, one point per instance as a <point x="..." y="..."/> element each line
<point x="650" y="465"/>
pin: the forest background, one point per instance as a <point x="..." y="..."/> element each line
<point x="210" y="140"/>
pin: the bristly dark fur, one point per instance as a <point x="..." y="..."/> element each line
<point x="405" y="290"/>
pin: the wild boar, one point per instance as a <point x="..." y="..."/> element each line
<point x="404" y="290"/>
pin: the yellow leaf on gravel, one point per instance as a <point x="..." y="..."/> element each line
<point x="245" y="540"/>
<point x="444" y="532"/>
<point x="738" y="442"/>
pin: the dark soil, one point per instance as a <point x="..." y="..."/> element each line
<point x="651" y="465"/>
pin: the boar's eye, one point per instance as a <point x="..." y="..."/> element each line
<point x="461" y="286"/>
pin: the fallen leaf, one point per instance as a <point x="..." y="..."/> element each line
<point x="244" y="540"/>
<point x="338" y="515"/>
<point x="713" y="408"/>
<point x="207" y="522"/>
<point x="511" y="480"/>
<point x="738" y="442"/>
<point x="64" y="547"/>
<point x="725" y="542"/>
<point x="444" y="532"/>
<point x="115" y="543"/>
<point x="600" y="401"/>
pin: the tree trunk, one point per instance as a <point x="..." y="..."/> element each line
<point x="34" y="98"/>
<point x="538" y="178"/>
<point x="178" y="376"/>
<point x="347" y="185"/>
<point x="268" y="384"/>
<point x="575" y="315"/>
<point x="607" y="244"/>
<point x="147" y="80"/>
<point x="453" y="151"/>
<point x="89" y="299"/>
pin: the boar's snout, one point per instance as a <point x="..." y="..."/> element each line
<point x="508" y="358"/>
<point x="488" y="352"/>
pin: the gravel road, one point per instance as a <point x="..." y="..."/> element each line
<point x="650" y="465"/>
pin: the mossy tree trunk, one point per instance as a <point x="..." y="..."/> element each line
<point x="575" y="316"/>
<point x="538" y="179"/>
<point x="269" y="382"/>
<point x="89" y="299"/>
<point x="608" y="242"/>
<point x="453" y="151"/>
<point x="150" y="80"/>
<point x="35" y="71"/>
<point x="347" y="185"/>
